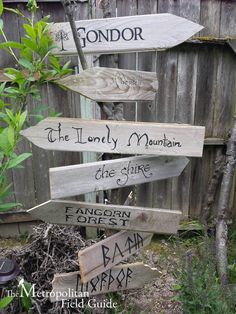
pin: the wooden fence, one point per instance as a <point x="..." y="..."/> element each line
<point x="196" y="85"/>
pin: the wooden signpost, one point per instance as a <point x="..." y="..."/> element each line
<point x="109" y="252"/>
<point x="110" y="174"/>
<point x="98" y="273"/>
<point x="116" y="217"/>
<point x="70" y="134"/>
<point x="104" y="84"/>
<point x="122" y="277"/>
<point x="125" y="34"/>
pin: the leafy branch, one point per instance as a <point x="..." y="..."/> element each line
<point x="35" y="66"/>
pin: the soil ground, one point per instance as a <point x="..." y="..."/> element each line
<point x="156" y="297"/>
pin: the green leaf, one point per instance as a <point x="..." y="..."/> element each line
<point x="26" y="64"/>
<point x="66" y="65"/>
<point x="2" y="87"/>
<point x="5" y="190"/>
<point x="11" y="76"/>
<point x="30" y="31"/>
<point x="1" y="7"/>
<point x="11" y="44"/>
<point x="22" y="119"/>
<point x="11" y="136"/>
<point x="26" y="293"/>
<point x="55" y="62"/>
<point x="4" y="143"/>
<point x="177" y="287"/>
<point x="10" y="114"/>
<point x="30" y="44"/>
<point x="4" y="302"/>
<point x="7" y="206"/>
<point x="16" y="11"/>
<point x="12" y="90"/>
<point x="17" y="160"/>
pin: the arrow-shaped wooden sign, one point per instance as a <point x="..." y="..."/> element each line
<point x="109" y="252"/>
<point x="123" y="277"/>
<point x="70" y="134"/>
<point x="111" y="174"/>
<point x="117" y="217"/>
<point x="125" y="34"/>
<point x="104" y="84"/>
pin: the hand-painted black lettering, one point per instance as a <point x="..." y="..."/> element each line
<point x="124" y="221"/>
<point x="110" y="279"/>
<point x="114" y="34"/>
<point x="120" y="280"/>
<point x="129" y="242"/>
<point x="103" y="280"/>
<point x="94" y="284"/>
<point x="56" y="135"/>
<point x="138" y="33"/>
<point x="79" y="135"/>
<point x="92" y="36"/>
<point x="106" y="259"/>
<point x="102" y="173"/>
<point x="82" y="39"/>
<point x="139" y="240"/>
<point x="117" y="248"/>
<point x="136" y="139"/>
<point x="112" y="222"/>
<point x="111" y="139"/>
<point x="128" y="276"/>
<point x="68" y="217"/>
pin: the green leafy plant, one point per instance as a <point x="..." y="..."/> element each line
<point x="34" y="66"/>
<point x="9" y="137"/>
<point x="199" y="288"/>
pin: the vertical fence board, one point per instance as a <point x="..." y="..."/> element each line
<point x="210" y="18"/>
<point x="23" y="178"/>
<point x="167" y="66"/>
<point x="146" y="110"/>
<point x="171" y="6"/>
<point x="227" y="19"/>
<point x="190" y="9"/>
<point x="196" y="85"/>
<point x="225" y="92"/>
<point x="184" y="113"/>
<point x="127" y="60"/>
<point x="203" y="116"/>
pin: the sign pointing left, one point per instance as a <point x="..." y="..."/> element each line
<point x="104" y="84"/>
<point x="122" y="137"/>
<point x="122" y="277"/>
<point x="108" y="216"/>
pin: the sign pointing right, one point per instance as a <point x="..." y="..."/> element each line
<point x="125" y="34"/>
<point x="112" y="174"/>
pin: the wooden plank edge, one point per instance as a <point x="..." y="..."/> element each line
<point x="73" y="278"/>
<point x="214" y="141"/>
<point x="15" y="217"/>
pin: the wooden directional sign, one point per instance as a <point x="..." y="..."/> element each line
<point x="104" y="84"/>
<point x="109" y="252"/>
<point x="110" y="174"/>
<point x="123" y="277"/>
<point x="68" y="134"/>
<point x="125" y="34"/>
<point x="108" y="216"/>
